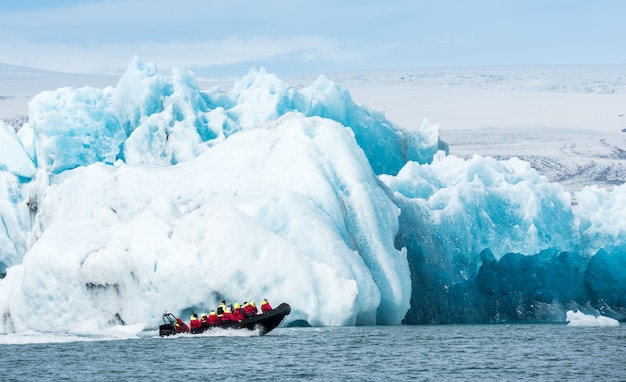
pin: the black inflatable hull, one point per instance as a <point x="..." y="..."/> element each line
<point x="265" y="322"/>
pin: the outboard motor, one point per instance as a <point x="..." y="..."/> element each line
<point x="168" y="327"/>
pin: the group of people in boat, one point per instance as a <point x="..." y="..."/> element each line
<point x="223" y="315"/>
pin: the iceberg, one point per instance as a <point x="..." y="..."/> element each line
<point x="120" y="203"/>
<point x="581" y="319"/>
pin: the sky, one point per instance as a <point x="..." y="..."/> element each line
<point x="224" y="39"/>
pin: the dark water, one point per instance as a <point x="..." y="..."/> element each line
<point x="400" y="353"/>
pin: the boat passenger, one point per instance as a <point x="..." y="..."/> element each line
<point x="203" y="320"/>
<point x="221" y="308"/>
<point x="253" y="308"/>
<point x="213" y="319"/>
<point x="180" y="326"/>
<point x="265" y="306"/>
<point x="248" y="309"/>
<point x="227" y="317"/>
<point x="195" y="324"/>
<point x="238" y="314"/>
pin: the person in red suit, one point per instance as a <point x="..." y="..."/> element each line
<point x="180" y="326"/>
<point x="213" y="319"/>
<point x="238" y="313"/>
<point x="265" y="306"/>
<point x="195" y="324"/>
<point x="227" y="317"/>
<point x="204" y="320"/>
<point x="249" y="309"/>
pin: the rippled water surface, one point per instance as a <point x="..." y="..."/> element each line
<point x="427" y="353"/>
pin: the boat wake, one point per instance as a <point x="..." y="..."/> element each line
<point x="215" y="332"/>
<point x="115" y="333"/>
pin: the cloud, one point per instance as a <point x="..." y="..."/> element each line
<point x="101" y="36"/>
<point x="112" y="58"/>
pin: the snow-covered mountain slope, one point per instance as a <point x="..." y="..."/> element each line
<point x="18" y="85"/>
<point x="567" y="121"/>
<point x="574" y="158"/>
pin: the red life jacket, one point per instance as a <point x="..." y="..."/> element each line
<point x="213" y="320"/>
<point x="249" y="310"/>
<point x="238" y="315"/>
<point x="227" y="317"/>
<point x="195" y="324"/>
<point x="266" y="307"/>
<point x="181" y="327"/>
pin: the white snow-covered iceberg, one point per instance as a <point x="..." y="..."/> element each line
<point x="120" y="203"/>
<point x="154" y="196"/>
<point x="582" y="319"/>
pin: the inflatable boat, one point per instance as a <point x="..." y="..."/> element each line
<point x="265" y="322"/>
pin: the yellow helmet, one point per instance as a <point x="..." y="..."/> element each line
<point x="252" y="303"/>
<point x="213" y="313"/>
<point x="193" y="317"/>
<point x="203" y="315"/>
<point x="227" y="310"/>
<point x="237" y="306"/>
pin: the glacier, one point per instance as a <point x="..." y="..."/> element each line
<point x="120" y="203"/>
